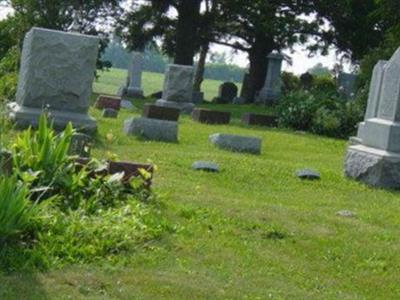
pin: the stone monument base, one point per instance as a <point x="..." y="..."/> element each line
<point x="134" y="92"/>
<point x="372" y="166"/>
<point x="184" y="107"/>
<point x="28" y="116"/>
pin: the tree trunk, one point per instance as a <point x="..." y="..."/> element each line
<point x="186" y="31"/>
<point x="258" y="66"/>
<point x="199" y="76"/>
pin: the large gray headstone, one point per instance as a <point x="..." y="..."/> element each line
<point x="57" y="72"/>
<point x="272" y="86"/>
<point x="236" y="143"/>
<point x="178" y="88"/>
<point x="134" y="88"/>
<point x="376" y="160"/>
<point x="152" y="129"/>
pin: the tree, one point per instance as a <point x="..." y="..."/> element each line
<point x="319" y="70"/>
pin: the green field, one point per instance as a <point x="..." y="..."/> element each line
<point x="253" y="231"/>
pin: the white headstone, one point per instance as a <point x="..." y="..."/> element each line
<point x="134" y="88"/>
<point x="57" y="72"/>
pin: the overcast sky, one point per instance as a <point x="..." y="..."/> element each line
<point x="301" y="61"/>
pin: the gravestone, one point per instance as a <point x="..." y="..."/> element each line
<point x="207" y="116"/>
<point x="226" y="93"/>
<point x="105" y="101"/>
<point x="56" y="73"/>
<point x="178" y="88"/>
<point x="134" y="81"/>
<point x="271" y="90"/>
<point x="152" y="129"/>
<point x="245" y="92"/>
<point x="347" y="84"/>
<point x="376" y="160"/>
<point x="160" y="112"/>
<point x="306" y="81"/>
<point x="207" y="166"/>
<point x="109" y="113"/>
<point x="236" y="143"/>
<point x="260" y="120"/>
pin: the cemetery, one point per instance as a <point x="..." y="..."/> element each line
<point x="131" y="184"/>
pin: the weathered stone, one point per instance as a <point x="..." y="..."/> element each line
<point x="239" y="100"/>
<point x="134" y="88"/>
<point x="271" y="90"/>
<point x="160" y="112"/>
<point x="152" y="129"/>
<point x="178" y="84"/>
<point x="236" y="143"/>
<point x="207" y="116"/>
<point x="308" y="174"/>
<point x="183" y="107"/>
<point x="108" y="102"/>
<point x="57" y="72"/>
<point x="205" y="166"/>
<point x="261" y="120"/>
<point x="198" y="97"/>
<point x="226" y="93"/>
<point x="127" y="104"/>
<point x="81" y="145"/>
<point x="109" y="113"/>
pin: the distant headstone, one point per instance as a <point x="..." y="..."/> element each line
<point x="152" y="129"/>
<point x="178" y="88"/>
<point x="260" y="120"/>
<point x="207" y="116"/>
<point x="308" y="174"/>
<point x="205" y="166"/>
<point x="57" y="72"/>
<point x="104" y="101"/>
<point x="226" y="93"/>
<point x="347" y="84"/>
<point x="160" y="112"/>
<point x="306" y="81"/>
<point x="109" y="113"/>
<point x="236" y="143"/>
<point x="239" y="100"/>
<point x="134" y="87"/>
<point x="81" y="145"/>
<point x="376" y="160"/>
<point x="271" y="90"/>
<point x="127" y="104"/>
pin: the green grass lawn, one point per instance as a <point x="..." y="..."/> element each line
<point x="253" y="231"/>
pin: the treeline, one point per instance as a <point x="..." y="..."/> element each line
<point x="154" y="61"/>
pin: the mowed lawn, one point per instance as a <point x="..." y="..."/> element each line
<point x="252" y="231"/>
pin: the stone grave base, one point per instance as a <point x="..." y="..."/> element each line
<point x="236" y="143"/>
<point x="261" y="120"/>
<point x="211" y="117"/>
<point x="372" y="166"/>
<point x="134" y="92"/>
<point x="184" y="107"/>
<point x="160" y="112"/>
<point x="152" y="129"/>
<point x="27" y="116"/>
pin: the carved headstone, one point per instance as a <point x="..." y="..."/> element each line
<point x="57" y="72"/>
<point x="271" y="90"/>
<point x="376" y="161"/>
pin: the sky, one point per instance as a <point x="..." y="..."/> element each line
<point x="300" y="60"/>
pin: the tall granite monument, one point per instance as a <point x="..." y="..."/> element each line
<point x="178" y="88"/>
<point x="376" y="160"/>
<point x="57" y="72"/>
<point x="271" y="90"/>
<point x="134" y="88"/>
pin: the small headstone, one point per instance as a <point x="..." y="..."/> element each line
<point x="345" y="214"/>
<point x="108" y="102"/>
<point x="80" y="145"/>
<point x="205" y="166"/>
<point x="203" y="115"/>
<point x="239" y="100"/>
<point x="236" y="143"/>
<point x="260" y="120"/>
<point x="306" y="81"/>
<point x="245" y="92"/>
<point x="57" y="73"/>
<point x="127" y="104"/>
<point x="198" y="97"/>
<point x="109" y="113"/>
<point x="160" y="112"/>
<point x="226" y="93"/>
<point x="308" y="174"/>
<point x="152" y="129"/>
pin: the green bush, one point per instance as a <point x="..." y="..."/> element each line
<point x="290" y="82"/>
<point x="8" y="74"/>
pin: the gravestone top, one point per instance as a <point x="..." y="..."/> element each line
<point x="227" y="92"/>
<point x="308" y="174"/>
<point x="205" y="166"/>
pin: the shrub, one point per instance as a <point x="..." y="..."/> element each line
<point x="290" y="82"/>
<point x="8" y="74"/>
